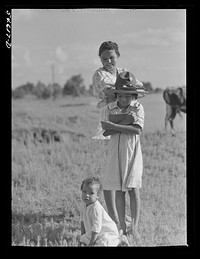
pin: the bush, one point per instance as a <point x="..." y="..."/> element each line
<point x="18" y="93"/>
<point x="23" y="90"/>
<point x="73" y="86"/>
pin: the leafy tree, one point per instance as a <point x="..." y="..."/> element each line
<point x="83" y="90"/>
<point x="46" y="93"/>
<point x="74" y="86"/>
<point x="40" y="90"/>
<point x="28" y="88"/>
<point x="22" y="90"/>
<point x="55" y="90"/>
<point x="18" y="93"/>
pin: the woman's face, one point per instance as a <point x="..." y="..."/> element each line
<point x="109" y="59"/>
<point x="124" y="99"/>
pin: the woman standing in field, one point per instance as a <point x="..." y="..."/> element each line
<point x="103" y="81"/>
<point x="104" y="78"/>
<point x="124" y="164"/>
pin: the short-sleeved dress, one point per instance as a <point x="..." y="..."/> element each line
<point x="101" y="80"/>
<point x="124" y="163"/>
<point x="96" y="219"/>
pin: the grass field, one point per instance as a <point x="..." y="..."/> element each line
<point x="46" y="178"/>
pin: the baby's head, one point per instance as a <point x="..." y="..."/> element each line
<point x="109" y="45"/>
<point x="91" y="188"/>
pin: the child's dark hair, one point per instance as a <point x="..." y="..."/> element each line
<point x="109" y="45"/>
<point x="92" y="180"/>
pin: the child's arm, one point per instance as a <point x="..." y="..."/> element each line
<point x="109" y="132"/>
<point x="127" y="129"/>
<point x="130" y="118"/>
<point x="82" y="228"/>
<point x="94" y="236"/>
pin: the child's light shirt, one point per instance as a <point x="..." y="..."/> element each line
<point x="134" y="108"/>
<point x="96" y="219"/>
<point x="124" y="162"/>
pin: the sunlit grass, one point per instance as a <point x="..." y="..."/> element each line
<point x="46" y="179"/>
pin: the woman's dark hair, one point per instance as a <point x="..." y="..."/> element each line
<point x="109" y="45"/>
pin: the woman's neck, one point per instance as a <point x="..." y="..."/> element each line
<point x="112" y="72"/>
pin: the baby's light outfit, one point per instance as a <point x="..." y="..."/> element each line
<point x="96" y="219"/>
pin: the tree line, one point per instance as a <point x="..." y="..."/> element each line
<point x="74" y="86"/>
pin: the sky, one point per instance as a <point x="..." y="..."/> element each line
<point x="152" y="44"/>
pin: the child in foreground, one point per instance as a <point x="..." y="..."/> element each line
<point x="97" y="228"/>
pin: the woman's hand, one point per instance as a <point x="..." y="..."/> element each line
<point x="107" y="125"/>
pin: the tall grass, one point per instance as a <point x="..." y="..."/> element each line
<point x="46" y="178"/>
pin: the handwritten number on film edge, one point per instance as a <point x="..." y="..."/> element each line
<point x="8" y="30"/>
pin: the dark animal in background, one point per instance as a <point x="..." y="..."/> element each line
<point x="175" y="99"/>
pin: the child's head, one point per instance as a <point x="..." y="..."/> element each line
<point x="126" y="88"/>
<point x="91" y="188"/>
<point x="125" y="99"/>
<point x="108" y="53"/>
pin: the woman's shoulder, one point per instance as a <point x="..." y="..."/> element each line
<point x="102" y="75"/>
<point x="99" y="71"/>
<point x="99" y="74"/>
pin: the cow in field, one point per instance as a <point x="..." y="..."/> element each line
<point x="175" y="99"/>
